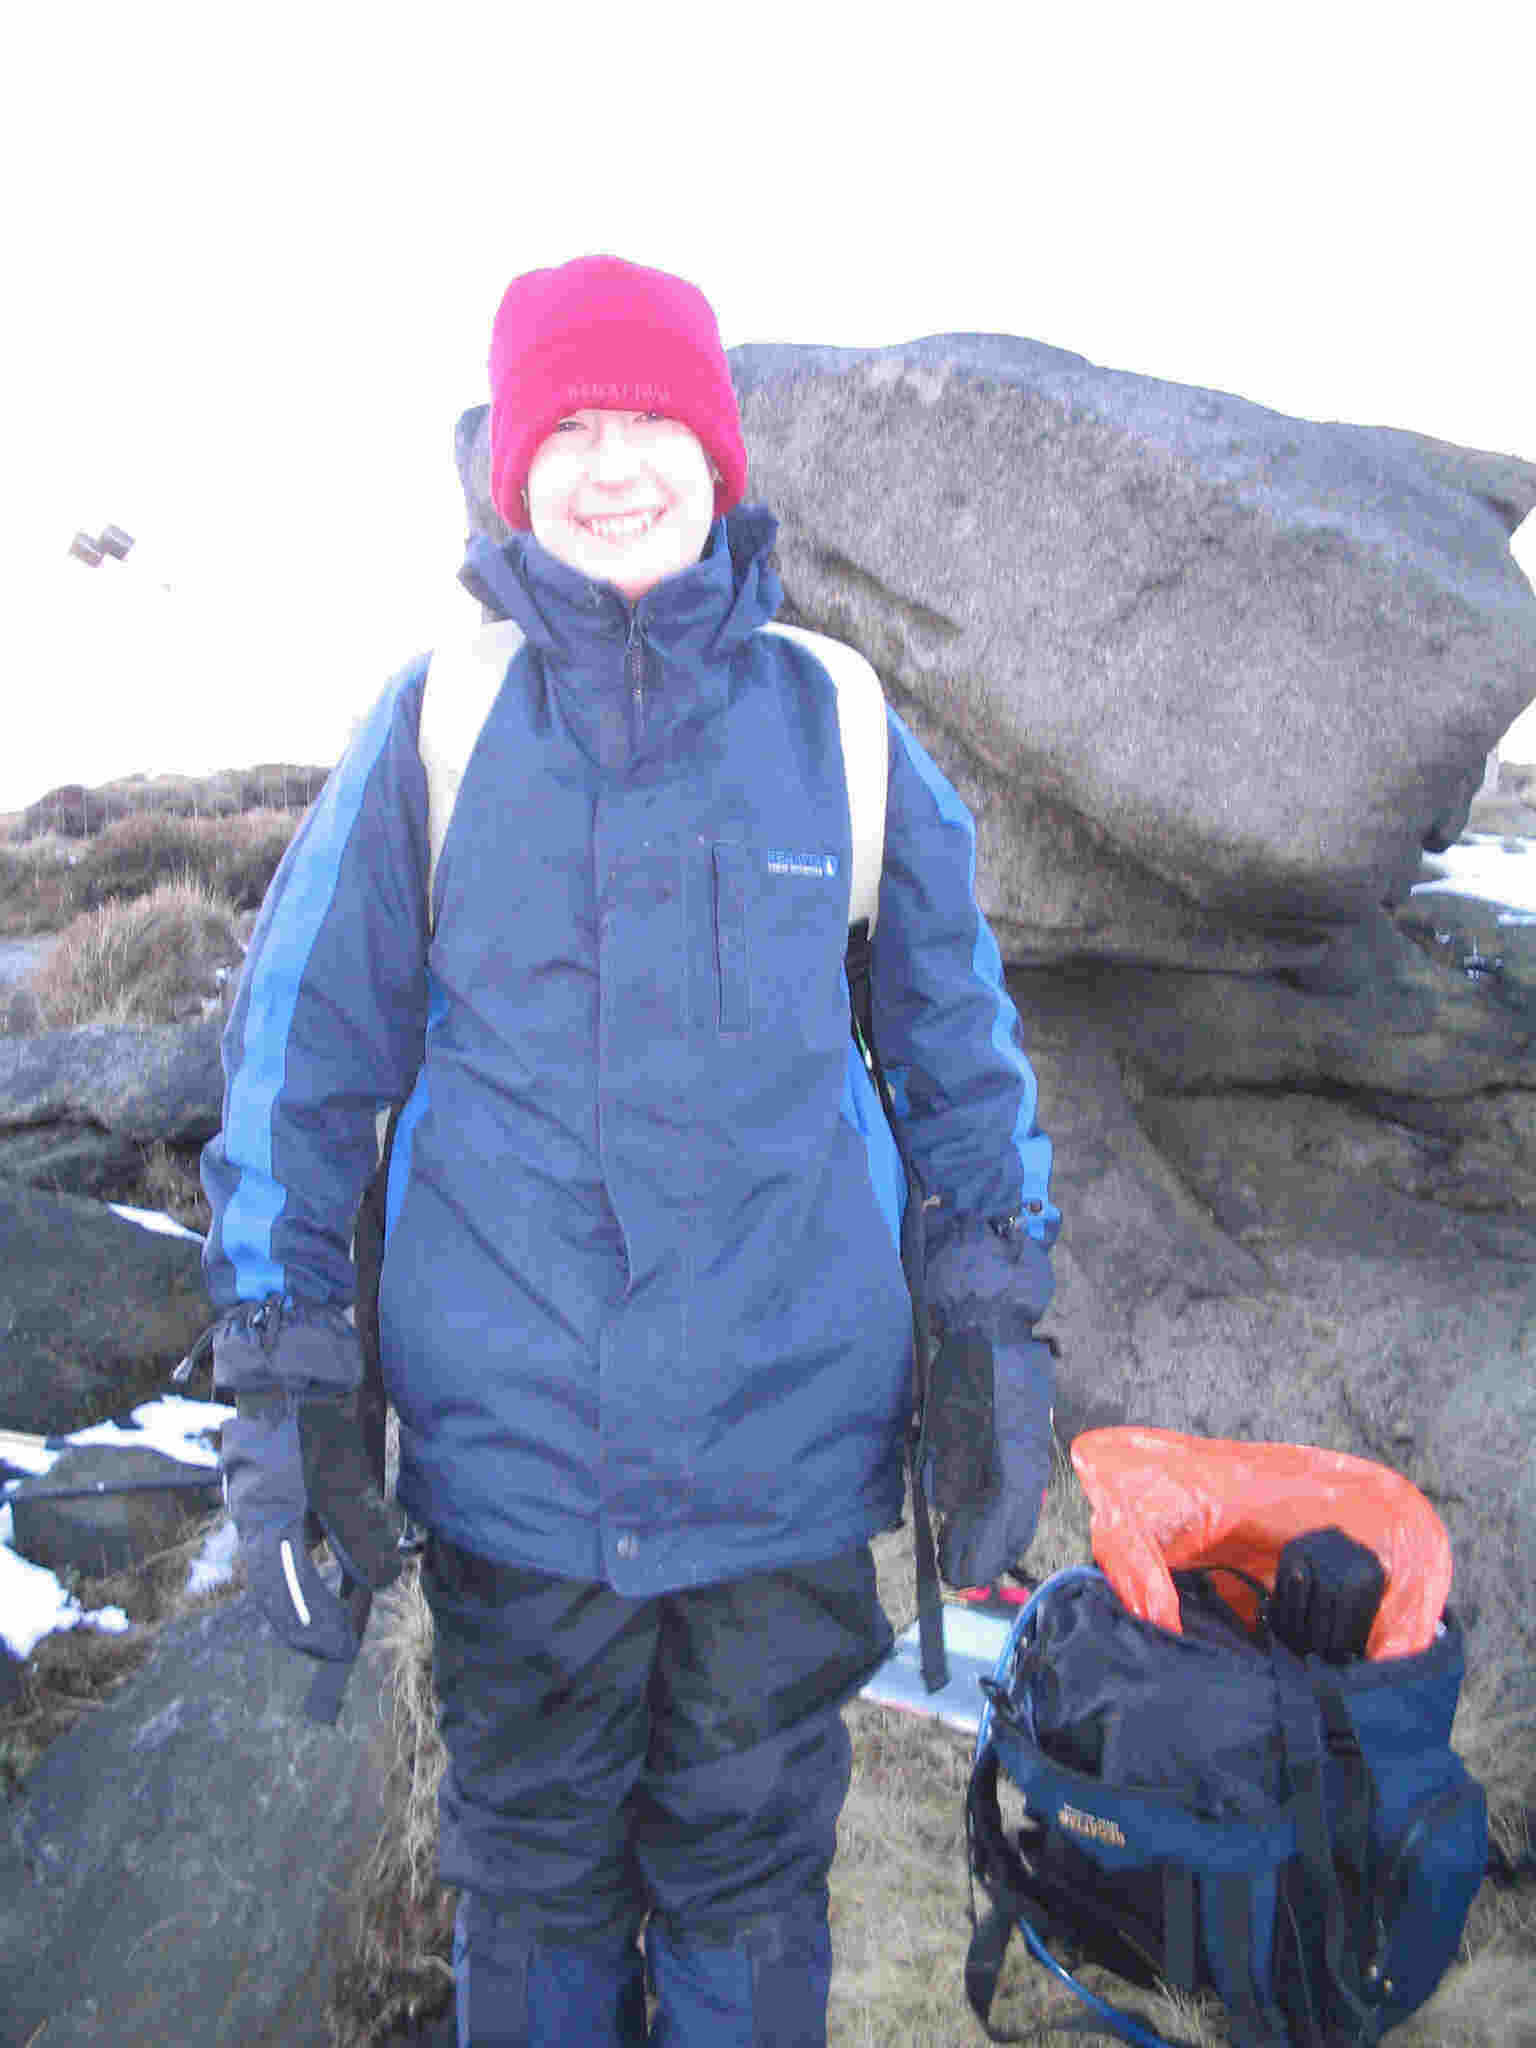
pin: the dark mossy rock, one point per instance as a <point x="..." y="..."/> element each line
<point x="95" y="1311"/>
<point x="180" y="1865"/>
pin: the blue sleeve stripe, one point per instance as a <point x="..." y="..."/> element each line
<point x="1032" y="1147"/>
<point x="258" y="1199"/>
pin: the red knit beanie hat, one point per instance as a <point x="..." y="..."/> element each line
<point x="600" y="332"/>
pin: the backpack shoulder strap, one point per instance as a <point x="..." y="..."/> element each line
<point x="866" y="760"/>
<point x="862" y="729"/>
<point x="463" y="679"/>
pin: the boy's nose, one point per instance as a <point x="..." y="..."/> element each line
<point x="613" y="458"/>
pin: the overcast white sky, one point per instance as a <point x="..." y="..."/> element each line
<point x="253" y="255"/>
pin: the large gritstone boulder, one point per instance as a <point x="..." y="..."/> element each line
<point x="1208" y="676"/>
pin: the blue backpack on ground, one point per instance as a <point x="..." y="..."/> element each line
<point x="1212" y="1812"/>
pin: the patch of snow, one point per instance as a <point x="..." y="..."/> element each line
<point x="173" y="1425"/>
<point x="215" y="1563"/>
<point x="28" y="1457"/>
<point x="33" y="1604"/>
<point x="1495" y="870"/>
<point x="154" y="1219"/>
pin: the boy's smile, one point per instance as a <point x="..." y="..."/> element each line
<point x="626" y="498"/>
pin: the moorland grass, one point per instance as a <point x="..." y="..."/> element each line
<point x="46" y="882"/>
<point x="169" y="1184"/>
<point x="151" y="960"/>
<point x="148" y="961"/>
<point x="231" y="858"/>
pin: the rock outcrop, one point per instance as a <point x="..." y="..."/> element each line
<point x="1339" y="1266"/>
<point x="1208" y="676"/>
<point x="78" y="1108"/>
<point x="159" y="1082"/>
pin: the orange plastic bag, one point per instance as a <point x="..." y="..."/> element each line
<point x="1162" y="1501"/>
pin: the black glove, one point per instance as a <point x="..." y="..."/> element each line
<point x="296" y="1469"/>
<point x="987" y="1425"/>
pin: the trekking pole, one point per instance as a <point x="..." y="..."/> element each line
<point x="104" y="1488"/>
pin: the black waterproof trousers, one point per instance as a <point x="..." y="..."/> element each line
<point x="682" y="1758"/>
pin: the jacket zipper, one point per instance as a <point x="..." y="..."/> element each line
<point x="634" y="669"/>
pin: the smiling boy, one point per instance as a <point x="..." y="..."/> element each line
<point x="627" y="498"/>
<point x="642" y="1314"/>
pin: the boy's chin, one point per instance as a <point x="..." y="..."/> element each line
<point x="633" y="579"/>
<point x="631" y="570"/>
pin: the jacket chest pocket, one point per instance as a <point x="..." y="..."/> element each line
<point x="778" y="935"/>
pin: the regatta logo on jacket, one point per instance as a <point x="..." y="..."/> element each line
<point x="1093" y="1825"/>
<point x="814" y="867"/>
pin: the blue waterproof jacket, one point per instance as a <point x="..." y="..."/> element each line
<point x="642" y="1312"/>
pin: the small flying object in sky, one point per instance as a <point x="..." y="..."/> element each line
<point x="93" y="549"/>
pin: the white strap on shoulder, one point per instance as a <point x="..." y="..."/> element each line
<point x="866" y="760"/>
<point x="463" y="680"/>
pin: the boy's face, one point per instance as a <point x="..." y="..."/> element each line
<point x="625" y="497"/>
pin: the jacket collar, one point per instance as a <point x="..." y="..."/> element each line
<point x="691" y="623"/>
